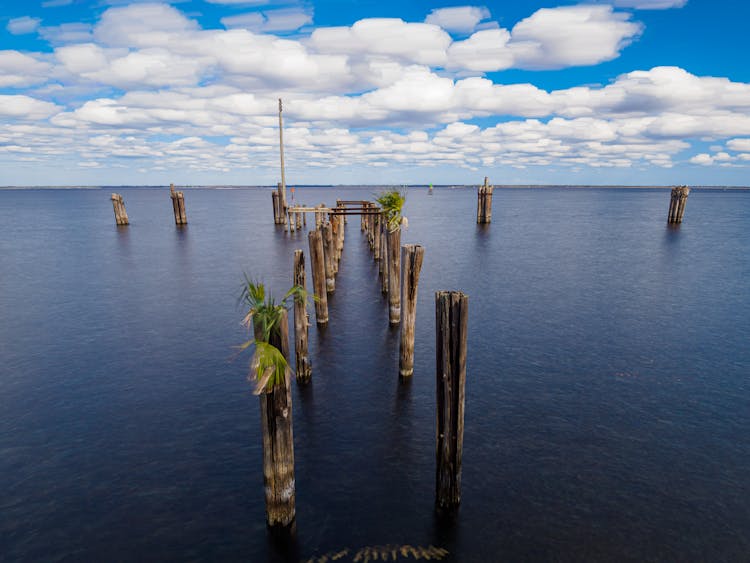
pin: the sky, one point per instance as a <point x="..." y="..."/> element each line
<point x="123" y="92"/>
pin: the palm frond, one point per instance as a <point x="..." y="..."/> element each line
<point x="392" y="203"/>
<point x="268" y="367"/>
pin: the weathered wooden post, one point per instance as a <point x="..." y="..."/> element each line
<point x="329" y="256"/>
<point x="411" y="256"/>
<point x="317" y="264"/>
<point x="377" y="220"/>
<point x="383" y="264"/>
<point x="121" y="216"/>
<point x="340" y="237"/>
<point x="278" y="441"/>
<point x="394" y="276"/>
<point x="292" y="223"/>
<point x="178" y="205"/>
<point x="341" y="206"/>
<point x="282" y="203"/>
<point x="282" y="184"/>
<point x="677" y="203"/>
<point x="373" y="232"/>
<point x="452" y="313"/>
<point x="302" y="359"/>
<point x="319" y="216"/>
<point x="484" y="202"/>
<point x="276" y="206"/>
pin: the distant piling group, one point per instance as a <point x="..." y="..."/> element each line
<point x="677" y="204"/>
<point x="484" y="202"/>
<point x="178" y="206"/>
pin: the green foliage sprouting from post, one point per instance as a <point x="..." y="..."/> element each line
<point x="268" y="367"/>
<point x="392" y="202"/>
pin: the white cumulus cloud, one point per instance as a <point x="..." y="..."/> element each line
<point x="650" y="4"/>
<point x="414" y="42"/>
<point x="26" y="107"/>
<point x="571" y="36"/>
<point x="23" y="25"/>
<point x="18" y="69"/>
<point x="702" y="159"/>
<point x="459" y="19"/>
<point x="269" y="21"/>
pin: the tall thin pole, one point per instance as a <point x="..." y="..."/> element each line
<point x="281" y="150"/>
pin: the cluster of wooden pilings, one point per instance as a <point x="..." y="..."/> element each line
<point x="484" y="202"/>
<point x="400" y="272"/>
<point x="326" y="246"/>
<point x="278" y="199"/>
<point x="677" y="203"/>
<point x="399" y="269"/>
<point x="178" y="206"/>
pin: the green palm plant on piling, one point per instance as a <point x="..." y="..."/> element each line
<point x="392" y="202"/>
<point x="268" y="366"/>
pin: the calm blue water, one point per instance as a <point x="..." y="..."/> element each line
<point x="607" y="395"/>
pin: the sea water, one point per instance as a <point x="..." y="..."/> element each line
<point x="607" y="396"/>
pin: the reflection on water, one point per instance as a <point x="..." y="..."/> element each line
<point x="606" y="397"/>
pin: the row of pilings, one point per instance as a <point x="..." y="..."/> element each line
<point x="401" y="271"/>
<point x="284" y="215"/>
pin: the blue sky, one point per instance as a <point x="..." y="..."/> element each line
<point x="619" y="92"/>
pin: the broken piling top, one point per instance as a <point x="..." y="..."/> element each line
<point x="484" y="202"/>
<point x="677" y="203"/>
<point x="121" y="216"/>
<point x="178" y="206"/>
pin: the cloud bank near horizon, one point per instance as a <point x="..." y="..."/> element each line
<point x="147" y="87"/>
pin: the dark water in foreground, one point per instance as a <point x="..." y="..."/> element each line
<point x="607" y="397"/>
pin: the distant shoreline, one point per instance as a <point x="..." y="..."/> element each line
<point x="371" y="186"/>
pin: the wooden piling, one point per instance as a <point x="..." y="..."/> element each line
<point x="451" y="311"/>
<point x="329" y="256"/>
<point x="317" y="266"/>
<point x="394" y="276"/>
<point x="121" y="216"/>
<point x="280" y="188"/>
<point x="276" y="207"/>
<point x="282" y="184"/>
<point x="373" y="232"/>
<point x="411" y="262"/>
<point x="484" y="202"/>
<point x="178" y="206"/>
<point x="677" y="203"/>
<point x="278" y="440"/>
<point x="319" y="217"/>
<point x="302" y="359"/>
<point x="175" y="208"/>
<point x="383" y="264"/>
<point x="377" y="220"/>
<point x="340" y="237"/>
